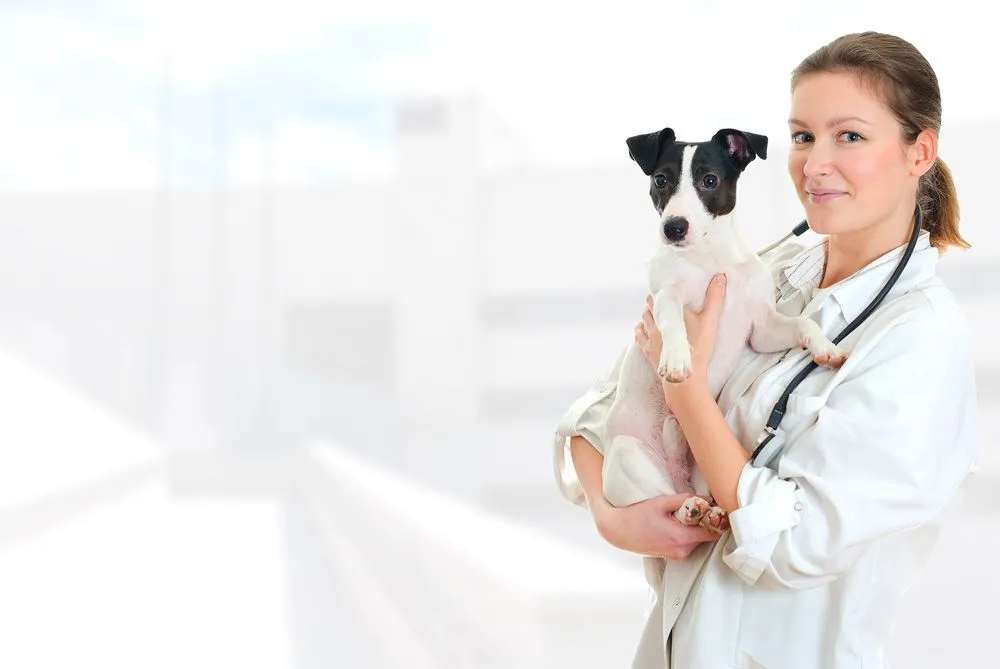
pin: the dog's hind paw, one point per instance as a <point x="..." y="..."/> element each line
<point x="715" y="520"/>
<point x="692" y="511"/>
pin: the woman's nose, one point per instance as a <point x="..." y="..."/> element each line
<point x="818" y="162"/>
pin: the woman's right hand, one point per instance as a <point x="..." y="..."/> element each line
<point x="650" y="528"/>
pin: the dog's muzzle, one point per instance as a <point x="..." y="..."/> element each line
<point x="675" y="228"/>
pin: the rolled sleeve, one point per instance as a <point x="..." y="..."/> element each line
<point x="585" y="417"/>
<point x="768" y="505"/>
<point x="886" y="454"/>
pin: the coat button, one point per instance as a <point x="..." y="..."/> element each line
<point x="798" y="506"/>
<point x="677" y="601"/>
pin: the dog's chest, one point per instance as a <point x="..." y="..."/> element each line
<point x="744" y="303"/>
<point x="748" y="288"/>
<point x="749" y="292"/>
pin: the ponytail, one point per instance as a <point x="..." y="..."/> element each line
<point x="938" y="200"/>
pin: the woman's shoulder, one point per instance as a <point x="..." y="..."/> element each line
<point x="927" y="312"/>
<point x="936" y="304"/>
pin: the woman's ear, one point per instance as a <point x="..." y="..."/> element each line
<point x="923" y="153"/>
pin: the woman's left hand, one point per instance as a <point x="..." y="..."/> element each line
<point x="702" y="329"/>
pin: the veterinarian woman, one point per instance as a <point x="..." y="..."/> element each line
<point x="826" y="535"/>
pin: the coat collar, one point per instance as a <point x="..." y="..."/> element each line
<point x="803" y="272"/>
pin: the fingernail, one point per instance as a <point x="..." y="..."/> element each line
<point x="720" y="279"/>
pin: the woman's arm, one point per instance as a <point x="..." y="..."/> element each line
<point x="890" y="447"/>
<point x="648" y="528"/>
<point x="720" y="456"/>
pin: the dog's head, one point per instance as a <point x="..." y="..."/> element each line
<point x="693" y="184"/>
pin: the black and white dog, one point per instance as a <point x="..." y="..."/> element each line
<point x="693" y="187"/>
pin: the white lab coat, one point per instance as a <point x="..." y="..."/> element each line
<point x="830" y="534"/>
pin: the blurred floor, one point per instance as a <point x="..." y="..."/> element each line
<point x="116" y="554"/>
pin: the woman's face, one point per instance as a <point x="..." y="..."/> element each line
<point x="848" y="161"/>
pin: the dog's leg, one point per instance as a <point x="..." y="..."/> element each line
<point x="702" y="510"/>
<point x="634" y="462"/>
<point x="632" y="473"/>
<point x="675" y="357"/>
<point x="678" y="458"/>
<point x="777" y="332"/>
<point x="687" y="477"/>
<point x="824" y="351"/>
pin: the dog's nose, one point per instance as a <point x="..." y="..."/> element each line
<point x="675" y="228"/>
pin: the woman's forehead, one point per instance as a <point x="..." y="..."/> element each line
<point x="831" y="98"/>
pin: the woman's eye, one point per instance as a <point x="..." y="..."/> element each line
<point x="801" y="137"/>
<point x="851" y="137"/>
<point x="660" y="180"/>
<point x="710" y="181"/>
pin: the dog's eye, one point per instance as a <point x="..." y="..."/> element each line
<point x="710" y="181"/>
<point x="660" y="180"/>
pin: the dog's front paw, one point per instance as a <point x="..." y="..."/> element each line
<point x="675" y="362"/>
<point x="824" y="352"/>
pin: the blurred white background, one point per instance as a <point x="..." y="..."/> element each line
<point x="294" y="294"/>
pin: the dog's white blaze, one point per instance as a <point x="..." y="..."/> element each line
<point x="685" y="201"/>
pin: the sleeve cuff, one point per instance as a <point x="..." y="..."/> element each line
<point x="768" y="506"/>
<point x="585" y="418"/>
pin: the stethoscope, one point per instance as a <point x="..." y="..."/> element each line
<point x="778" y="412"/>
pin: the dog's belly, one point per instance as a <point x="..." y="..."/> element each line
<point x="746" y="299"/>
<point x="646" y="453"/>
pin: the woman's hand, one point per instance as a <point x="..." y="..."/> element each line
<point x="702" y="330"/>
<point x="650" y="528"/>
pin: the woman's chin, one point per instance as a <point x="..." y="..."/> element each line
<point x="822" y="222"/>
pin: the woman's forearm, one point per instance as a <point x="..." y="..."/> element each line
<point x="720" y="456"/>
<point x="646" y="528"/>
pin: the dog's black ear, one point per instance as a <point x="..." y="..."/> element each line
<point x="645" y="149"/>
<point x="741" y="146"/>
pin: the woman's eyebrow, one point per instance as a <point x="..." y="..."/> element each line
<point x="832" y="122"/>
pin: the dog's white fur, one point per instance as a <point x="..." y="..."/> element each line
<point x="646" y="454"/>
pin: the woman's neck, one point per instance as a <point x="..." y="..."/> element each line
<point x="849" y="252"/>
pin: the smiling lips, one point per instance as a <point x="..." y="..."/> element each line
<point x="821" y="195"/>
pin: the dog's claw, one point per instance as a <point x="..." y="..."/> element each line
<point x="698" y="512"/>
<point x="675" y="364"/>
<point x="825" y="354"/>
<point x="675" y="376"/>
<point x="833" y="363"/>
<point x="831" y="359"/>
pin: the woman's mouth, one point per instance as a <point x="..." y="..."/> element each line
<point x="822" y="195"/>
